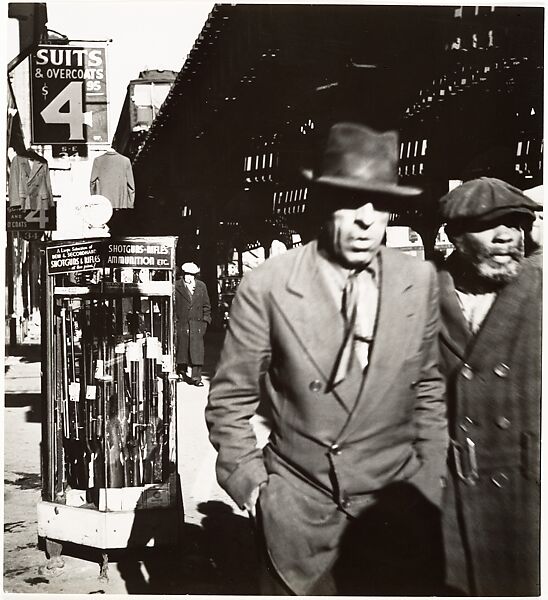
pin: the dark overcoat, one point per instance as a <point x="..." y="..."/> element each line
<point x="491" y="513"/>
<point x="330" y="450"/>
<point x="192" y="314"/>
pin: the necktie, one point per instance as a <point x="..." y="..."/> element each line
<point x="349" y="311"/>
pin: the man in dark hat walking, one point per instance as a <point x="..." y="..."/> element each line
<point x="192" y="316"/>
<point x="491" y="355"/>
<point x="339" y="339"/>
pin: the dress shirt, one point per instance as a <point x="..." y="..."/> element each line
<point x="335" y="276"/>
<point x="475" y="307"/>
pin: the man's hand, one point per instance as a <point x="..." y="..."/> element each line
<point x="251" y="503"/>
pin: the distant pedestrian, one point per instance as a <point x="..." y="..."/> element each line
<point x="192" y="315"/>
<point x="491" y="307"/>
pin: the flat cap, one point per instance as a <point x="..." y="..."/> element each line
<point x="485" y="199"/>
<point x="536" y="194"/>
<point x="190" y="268"/>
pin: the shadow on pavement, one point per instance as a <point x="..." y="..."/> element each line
<point x="28" y="352"/>
<point x="218" y="557"/>
<point x="213" y="343"/>
<point x="21" y="400"/>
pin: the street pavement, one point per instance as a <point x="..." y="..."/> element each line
<point x="216" y="554"/>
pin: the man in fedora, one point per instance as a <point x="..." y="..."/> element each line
<point x="491" y="308"/>
<point x="192" y="315"/>
<point x="339" y="339"/>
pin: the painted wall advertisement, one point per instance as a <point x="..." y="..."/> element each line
<point x="69" y="94"/>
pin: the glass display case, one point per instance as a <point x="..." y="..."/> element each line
<point x="109" y="443"/>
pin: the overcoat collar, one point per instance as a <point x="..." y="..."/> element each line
<point x="31" y="172"/>
<point x="506" y="309"/>
<point x="317" y="323"/>
<point x="502" y="321"/>
<point x="181" y="288"/>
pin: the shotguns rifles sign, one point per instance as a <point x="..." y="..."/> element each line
<point x="110" y="253"/>
<point x="69" y="94"/>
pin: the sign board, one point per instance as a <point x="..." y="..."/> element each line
<point x="73" y="257"/>
<point x="69" y="94"/>
<point x="137" y="253"/>
<point x="42" y="219"/>
<point x="140" y="255"/>
<point x="32" y="236"/>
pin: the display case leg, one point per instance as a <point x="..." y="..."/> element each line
<point x="54" y="561"/>
<point x="103" y="573"/>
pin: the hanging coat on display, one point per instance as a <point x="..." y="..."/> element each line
<point x="112" y="177"/>
<point x="192" y="314"/>
<point x="492" y="503"/>
<point x="29" y="187"/>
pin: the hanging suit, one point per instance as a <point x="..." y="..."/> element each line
<point x="29" y="187"/>
<point x="336" y="460"/>
<point x="112" y="177"/>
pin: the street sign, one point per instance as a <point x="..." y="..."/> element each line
<point x="42" y="219"/>
<point x="32" y="236"/>
<point x="69" y="94"/>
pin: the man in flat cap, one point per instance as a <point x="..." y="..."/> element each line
<point x="339" y="339"/>
<point x="491" y="355"/>
<point x="192" y="315"/>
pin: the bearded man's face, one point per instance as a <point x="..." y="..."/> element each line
<point x="494" y="252"/>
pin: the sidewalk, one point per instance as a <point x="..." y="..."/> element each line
<point x="216" y="555"/>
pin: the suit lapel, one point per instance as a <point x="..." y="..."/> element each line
<point x="36" y="166"/>
<point x="311" y="312"/>
<point x="183" y="290"/>
<point x="455" y="333"/>
<point x="392" y="330"/>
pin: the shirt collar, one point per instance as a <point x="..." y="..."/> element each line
<point x="338" y="274"/>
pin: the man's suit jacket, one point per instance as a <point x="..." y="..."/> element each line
<point x="494" y="389"/>
<point x="192" y="314"/>
<point x="328" y="448"/>
<point x="112" y="177"/>
<point x="30" y="188"/>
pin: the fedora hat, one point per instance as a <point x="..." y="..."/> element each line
<point x="190" y="268"/>
<point x="359" y="158"/>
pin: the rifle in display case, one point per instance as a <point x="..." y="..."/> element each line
<point x="109" y="439"/>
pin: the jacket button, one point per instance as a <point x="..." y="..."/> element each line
<point x="345" y="502"/>
<point x="467" y="372"/>
<point x="502" y="370"/>
<point x="503" y="422"/>
<point x="335" y="449"/>
<point x="499" y="479"/>
<point x="315" y="386"/>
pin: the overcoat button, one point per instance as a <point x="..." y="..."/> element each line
<point x="467" y="372"/>
<point x="499" y="479"/>
<point x="315" y="386"/>
<point x="503" y="422"/>
<point x="502" y="370"/>
<point x="335" y="449"/>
